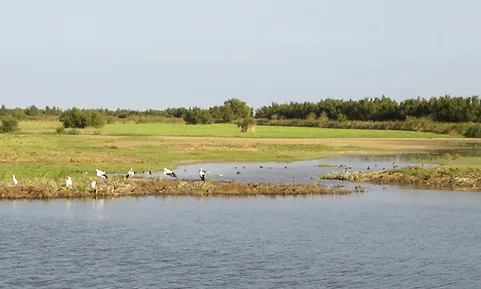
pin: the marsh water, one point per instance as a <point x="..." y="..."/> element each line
<point x="386" y="238"/>
<point x="299" y="172"/>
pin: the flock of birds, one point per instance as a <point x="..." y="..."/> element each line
<point x="103" y="175"/>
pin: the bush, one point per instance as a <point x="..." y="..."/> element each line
<point x="95" y="119"/>
<point x="76" y="118"/>
<point x="74" y="131"/>
<point x="9" y="124"/>
<point x="60" y="130"/>
<point x="247" y="124"/>
<point x="198" y="116"/>
<point x="474" y="131"/>
<point x="111" y="119"/>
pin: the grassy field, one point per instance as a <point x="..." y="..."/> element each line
<point x="37" y="152"/>
<point x="226" y="130"/>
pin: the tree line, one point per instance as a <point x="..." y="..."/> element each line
<point x="442" y="109"/>
<point x="232" y="110"/>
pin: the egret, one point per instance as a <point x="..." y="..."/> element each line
<point x="14" y="179"/>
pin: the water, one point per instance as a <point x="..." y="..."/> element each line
<point x="299" y="172"/>
<point x="386" y="238"/>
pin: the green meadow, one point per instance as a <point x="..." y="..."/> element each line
<point x="38" y="152"/>
<point x="226" y="130"/>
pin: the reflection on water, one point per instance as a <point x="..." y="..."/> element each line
<point x="383" y="239"/>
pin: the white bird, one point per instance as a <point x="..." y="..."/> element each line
<point x="68" y="183"/>
<point x="101" y="174"/>
<point x="130" y="173"/>
<point x="202" y="174"/>
<point x="93" y="184"/>
<point x="169" y="173"/>
<point x="14" y="179"/>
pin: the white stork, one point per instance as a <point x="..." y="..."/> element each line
<point x="101" y="174"/>
<point x="68" y="182"/>
<point x="130" y="173"/>
<point x="169" y="173"/>
<point x="202" y="174"/>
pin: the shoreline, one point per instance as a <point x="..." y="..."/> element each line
<point x="440" y="178"/>
<point x="159" y="187"/>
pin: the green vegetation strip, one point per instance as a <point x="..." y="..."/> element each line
<point x="445" y="178"/>
<point x="159" y="187"/>
<point x="220" y="130"/>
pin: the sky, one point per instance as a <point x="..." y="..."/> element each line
<point x="155" y="54"/>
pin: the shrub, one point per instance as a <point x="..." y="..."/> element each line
<point x="73" y="117"/>
<point x="198" y="116"/>
<point x="74" y="131"/>
<point x="60" y="130"/>
<point x="95" y="119"/>
<point x="76" y="118"/>
<point x="474" y="131"/>
<point x="111" y="119"/>
<point x="9" y="124"/>
<point x="247" y="124"/>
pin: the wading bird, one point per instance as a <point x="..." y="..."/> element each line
<point x="130" y="173"/>
<point x="101" y="174"/>
<point x="14" y="179"/>
<point x="202" y="174"/>
<point x="68" y="182"/>
<point x="169" y="173"/>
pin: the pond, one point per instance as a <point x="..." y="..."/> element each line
<point x="386" y="238"/>
<point x="299" y="172"/>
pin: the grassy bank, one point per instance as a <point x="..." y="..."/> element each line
<point x="159" y="187"/>
<point x="39" y="154"/>
<point x="445" y="178"/>
<point x="50" y="156"/>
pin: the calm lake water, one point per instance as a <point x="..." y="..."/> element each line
<point x="385" y="238"/>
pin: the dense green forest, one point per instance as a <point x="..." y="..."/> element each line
<point x="444" y="109"/>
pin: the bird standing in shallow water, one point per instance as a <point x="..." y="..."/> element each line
<point x="130" y="173"/>
<point x="169" y="173"/>
<point x="202" y="174"/>
<point x="14" y="179"/>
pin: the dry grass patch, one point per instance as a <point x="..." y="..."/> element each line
<point x="445" y="178"/>
<point x="160" y="187"/>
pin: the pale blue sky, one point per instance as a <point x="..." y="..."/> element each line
<point x="158" y="54"/>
